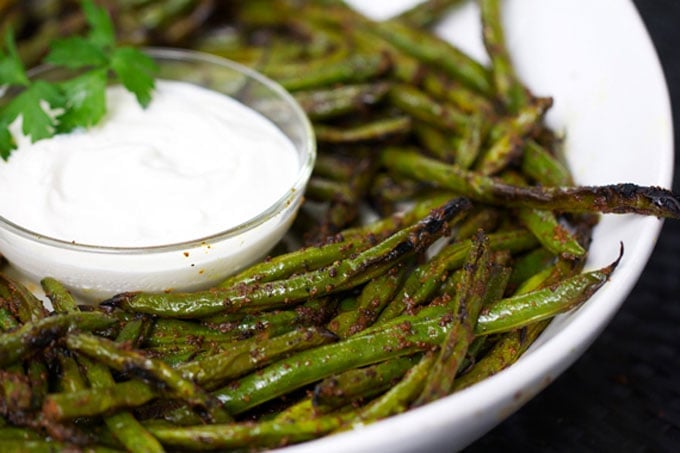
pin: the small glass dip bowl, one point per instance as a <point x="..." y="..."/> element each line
<point x="95" y="272"/>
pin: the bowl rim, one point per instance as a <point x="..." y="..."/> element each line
<point x="303" y="174"/>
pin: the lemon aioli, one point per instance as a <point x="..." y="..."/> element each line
<point x="192" y="164"/>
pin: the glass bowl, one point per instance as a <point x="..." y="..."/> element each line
<point x="96" y="272"/>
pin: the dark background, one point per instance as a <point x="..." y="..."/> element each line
<point x="624" y="394"/>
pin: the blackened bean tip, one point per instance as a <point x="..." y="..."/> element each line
<point x="609" y="269"/>
<point x="666" y="200"/>
<point x="456" y="206"/>
<point x="117" y="300"/>
<point x="621" y="250"/>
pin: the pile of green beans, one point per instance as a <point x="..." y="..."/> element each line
<point x="441" y="232"/>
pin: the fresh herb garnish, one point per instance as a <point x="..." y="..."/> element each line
<point x="48" y="108"/>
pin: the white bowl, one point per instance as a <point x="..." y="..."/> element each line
<point x="97" y="272"/>
<point x="597" y="61"/>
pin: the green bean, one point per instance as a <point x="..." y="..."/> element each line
<point x="476" y="291"/>
<point x="70" y="379"/>
<point x="89" y="402"/>
<point x="355" y="240"/>
<point x="334" y="167"/>
<point x="32" y="336"/>
<point x="504" y="315"/>
<point x="221" y="41"/>
<point x="29" y="310"/>
<point x="314" y="312"/>
<point x="61" y="298"/>
<point x="118" y="358"/>
<point x="469" y="145"/>
<point x="379" y="129"/>
<point x="373" y="297"/>
<point x="17" y="395"/>
<point x="321" y="189"/>
<point x="507" y="87"/>
<point x="124" y="426"/>
<point x="37" y="373"/>
<point x="552" y="235"/>
<point x="422" y="283"/>
<point x="316" y="364"/>
<point x="353" y="385"/>
<point x="486" y="219"/>
<point x="245" y="356"/>
<point x="388" y="193"/>
<point x="11" y="18"/>
<point x="513" y="344"/>
<point x="47" y="446"/>
<point x="615" y="198"/>
<point x="356" y="68"/>
<point x="419" y="105"/>
<point x="436" y="52"/>
<point x="156" y="15"/>
<point x="538" y="164"/>
<point x="363" y="267"/>
<point x="427" y="13"/>
<point x="302" y="410"/>
<point x="342" y="213"/>
<point x="546" y="227"/>
<point x="444" y="88"/>
<point x="507" y="136"/>
<point x="32" y="49"/>
<point x="302" y="260"/>
<point x="335" y="53"/>
<point x="241" y="358"/>
<point x="19" y="392"/>
<point x="326" y="103"/>
<point x="399" y="397"/>
<point x="435" y="141"/>
<point x="504" y="353"/>
<point x="248" y="435"/>
<point x="191" y="333"/>
<point x="134" y="332"/>
<point x="319" y="40"/>
<point x="404" y="68"/>
<point x="529" y="264"/>
<point x="16" y="433"/>
<point x="20" y="301"/>
<point x="174" y="354"/>
<point x="260" y="13"/>
<point x="7" y="320"/>
<point x="401" y="219"/>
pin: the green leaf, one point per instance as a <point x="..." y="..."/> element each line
<point x="6" y="141"/>
<point x="136" y="72"/>
<point x="102" y="33"/>
<point x="36" y="122"/>
<point x="85" y="100"/>
<point x="47" y="108"/>
<point x="75" y="52"/>
<point x="12" y="71"/>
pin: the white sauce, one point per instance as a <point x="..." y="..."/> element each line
<point x="193" y="164"/>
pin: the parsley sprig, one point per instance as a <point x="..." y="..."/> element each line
<point x="81" y="100"/>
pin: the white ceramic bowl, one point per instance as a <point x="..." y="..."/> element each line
<point x="96" y="272"/>
<point x="597" y="61"/>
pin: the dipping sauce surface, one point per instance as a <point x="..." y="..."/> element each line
<point x="193" y="164"/>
